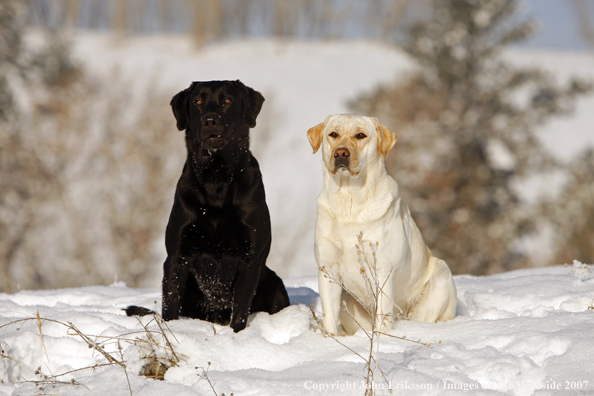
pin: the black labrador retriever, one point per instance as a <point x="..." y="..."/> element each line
<point x="218" y="235"/>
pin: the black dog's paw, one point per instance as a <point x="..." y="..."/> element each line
<point x="133" y="310"/>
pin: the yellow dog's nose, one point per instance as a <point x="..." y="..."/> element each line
<point x="341" y="152"/>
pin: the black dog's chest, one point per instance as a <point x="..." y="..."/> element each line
<point x="219" y="202"/>
<point x="218" y="226"/>
<point x="219" y="207"/>
<point x="215" y="187"/>
<point x="218" y="182"/>
<point x="215" y="220"/>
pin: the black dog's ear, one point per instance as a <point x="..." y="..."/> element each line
<point x="179" y="105"/>
<point x="253" y="102"/>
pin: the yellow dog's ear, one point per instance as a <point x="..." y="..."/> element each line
<point x="315" y="136"/>
<point x="385" y="138"/>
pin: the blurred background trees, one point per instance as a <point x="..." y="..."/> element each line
<point x="469" y="118"/>
<point x="209" y="20"/>
<point x="81" y="198"/>
<point x="87" y="168"/>
<point x="30" y="178"/>
<point x="571" y="214"/>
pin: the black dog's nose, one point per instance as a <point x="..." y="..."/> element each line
<point x="211" y="121"/>
<point x="341" y="152"/>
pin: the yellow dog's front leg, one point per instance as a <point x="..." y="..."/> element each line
<point x="330" y="295"/>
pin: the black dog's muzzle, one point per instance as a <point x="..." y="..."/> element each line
<point x="212" y="131"/>
<point x="211" y="121"/>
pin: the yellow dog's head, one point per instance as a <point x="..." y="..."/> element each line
<point x="350" y="141"/>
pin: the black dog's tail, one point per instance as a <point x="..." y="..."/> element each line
<point x="133" y="310"/>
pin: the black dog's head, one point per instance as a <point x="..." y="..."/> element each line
<point x="216" y="113"/>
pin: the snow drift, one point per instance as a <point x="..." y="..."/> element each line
<point x="519" y="333"/>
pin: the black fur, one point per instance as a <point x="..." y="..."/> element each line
<point x="218" y="235"/>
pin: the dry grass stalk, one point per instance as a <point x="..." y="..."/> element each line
<point x="205" y="376"/>
<point x="39" y="324"/>
<point x="154" y="368"/>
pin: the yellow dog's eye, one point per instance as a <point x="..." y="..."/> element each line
<point x="333" y="134"/>
<point x="361" y="136"/>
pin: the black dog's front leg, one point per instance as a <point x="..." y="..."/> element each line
<point x="244" y="286"/>
<point x="175" y="276"/>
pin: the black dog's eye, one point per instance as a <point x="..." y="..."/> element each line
<point x="333" y="134"/>
<point x="199" y="102"/>
<point x="361" y="136"/>
<point x="228" y="101"/>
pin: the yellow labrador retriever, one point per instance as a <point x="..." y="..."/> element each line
<point x="360" y="197"/>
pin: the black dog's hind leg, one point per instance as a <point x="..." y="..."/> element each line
<point x="271" y="295"/>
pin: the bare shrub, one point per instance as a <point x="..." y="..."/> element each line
<point x="112" y="172"/>
<point x="88" y="167"/>
<point x="572" y="213"/>
<point x="142" y="160"/>
<point x="29" y="178"/>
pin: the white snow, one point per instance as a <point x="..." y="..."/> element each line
<point x="520" y="333"/>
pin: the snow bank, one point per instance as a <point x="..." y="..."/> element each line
<point x="519" y="333"/>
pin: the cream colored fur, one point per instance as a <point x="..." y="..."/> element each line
<point x="362" y="197"/>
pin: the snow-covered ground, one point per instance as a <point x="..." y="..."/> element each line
<point x="524" y="332"/>
<point x="519" y="333"/>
